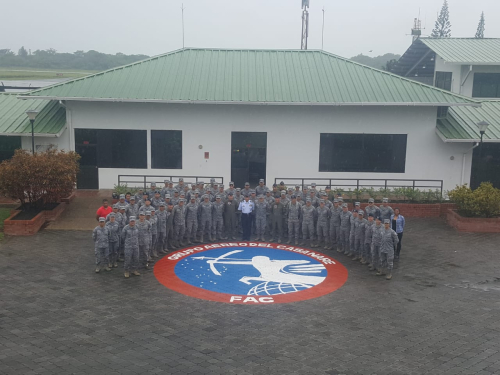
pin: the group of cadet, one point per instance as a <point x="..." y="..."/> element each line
<point x="152" y="222"/>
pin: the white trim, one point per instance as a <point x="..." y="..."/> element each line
<point x="468" y="140"/>
<point x="360" y="104"/>
<point x="46" y="135"/>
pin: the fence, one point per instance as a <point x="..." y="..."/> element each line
<point x="359" y="183"/>
<point x="145" y="181"/>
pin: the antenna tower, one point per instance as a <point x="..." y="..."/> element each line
<point x="305" y="24"/>
<point x="416" y="31"/>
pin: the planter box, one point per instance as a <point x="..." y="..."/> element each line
<point x="30" y="227"/>
<point x="472" y="224"/>
<point x="53" y="214"/>
<point x="417" y="209"/>
<point x="23" y="227"/>
<point x="69" y="199"/>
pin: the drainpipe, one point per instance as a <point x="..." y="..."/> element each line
<point x="463" y="161"/>
<point x="465" y="79"/>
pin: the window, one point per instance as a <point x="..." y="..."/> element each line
<point x="362" y="153"/>
<point x="166" y="149"/>
<point x="486" y="85"/>
<point x="443" y="80"/>
<point x="8" y="145"/>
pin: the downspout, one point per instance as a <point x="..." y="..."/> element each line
<point x="463" y="161"/>
<point x="465" y="79"/>
<point x="70" y="127"/>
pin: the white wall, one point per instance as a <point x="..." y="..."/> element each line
<point x="62" y="142"/>
<point x="293" y="137"/>
<point x="460" y="74"/>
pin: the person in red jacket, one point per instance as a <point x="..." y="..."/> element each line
<point x="104" y="210"/>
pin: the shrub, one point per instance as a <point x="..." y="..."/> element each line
<point x="38" y="179"/>
<point x="124" y="189"/>
<point x="482" y="202"/>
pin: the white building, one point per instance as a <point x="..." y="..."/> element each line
<point x="249" y="114"/>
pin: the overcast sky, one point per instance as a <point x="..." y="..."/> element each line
<point x="153" y="27"/>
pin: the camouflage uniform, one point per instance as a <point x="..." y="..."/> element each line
<point x="101" y="245"/>
<point x="144" y="228"/>
<point x="192" y="210"/>
<point x="308" y="216"/>
<point x="217" y="220"/>
<point x="323" y="214"/>
<point x="179" y="224"/>
<point x="154" y="235"/>
<point x="335" y="213"/>
<point x="389" y="240"/>
<point x="375" y="246"/>
<point x="114" y="240"/>
<point x="161" y="218"/>
<point x="155" y="202"/>
<point x="368" y="241"/>
<point x="206" y="209"/>
<point x="374" y="210"/>
<point x="170" y="229"/>
<point x="231" y="217"/>
<point x="260" y="190"/>
<point x="261" y="209"/>
<point x="359" y="236"/>
<point x="277" y="213"/>
<point x="294" y="214"/>
<point x="130" y="237"/>
<point x="345" y="229"/>
<point x="385" y="212"/>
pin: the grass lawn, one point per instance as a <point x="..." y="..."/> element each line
<point x="4" y="214"/>
<point x="35" y="73"/>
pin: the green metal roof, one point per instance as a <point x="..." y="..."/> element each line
<point x="460" y="125"/>
<point x="471" y="51"/>
<point x="250" y="77"/>
<point x="50" y="120"/>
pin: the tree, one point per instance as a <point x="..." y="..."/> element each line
<point x="480" y="27"/>
<point x="442" y="27"/>
<point x="22" y="52"/>
<point x="389" y="65"/>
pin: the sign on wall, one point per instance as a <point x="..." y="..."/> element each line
<point x="250" y="273"/>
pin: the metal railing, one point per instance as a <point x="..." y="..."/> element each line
<point x="146" y="180"/>
<point x="358" y="183"/>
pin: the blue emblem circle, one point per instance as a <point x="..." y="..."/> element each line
<point x="250" y="271"/>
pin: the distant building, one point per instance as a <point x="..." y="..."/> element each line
<point x="469" y="67"/>
<point x="249" y="114"/>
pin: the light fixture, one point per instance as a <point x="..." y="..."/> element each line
<point x="32" y="114"/>
<point x="482" y="126"/>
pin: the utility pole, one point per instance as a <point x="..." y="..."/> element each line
<point x="305" y="24"/>
<point x="323" y="28"/>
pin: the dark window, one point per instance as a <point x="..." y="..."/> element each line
<point x="486" y="85"/>
<point x="442" y="112"/>
<point x="443" y="80"/>
<point x="115" y="148"/>
<point x="362" y="153"/>
<point x="8" y="145"/>
<point x="166" y="149"/>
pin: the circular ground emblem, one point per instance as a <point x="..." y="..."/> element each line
<point x="250" y="273"/>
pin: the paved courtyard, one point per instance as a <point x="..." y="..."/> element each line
<point x="439" y="315"/>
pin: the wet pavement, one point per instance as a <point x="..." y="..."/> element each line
<point x="440" y="314"/>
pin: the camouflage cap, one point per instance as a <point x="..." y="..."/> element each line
<point x="247" y="184"/>
<point x="212" y="180"/>
<point x="132" y="198"/>
<point x="101" y="219"/>
<point x="335" y="201"/>
<point x="131" y="218"/>
<point x="217" y="197"/>
<point x="112" y="214"/>
<point x="153" y="210"/>
<point x="371" y="200"/>
<point x="122" y="196"/>
<point x="162" y="204"/>
<point x="141" y="213"/>
<point x="238" y="189"/>
<point x="153" y="183"/>
<point x="123" y="207"/>
<point x="283" y="192"/>
<point x="360" y="212"/>
<point x="357" y="204"/>
<point x="181" y="179"/>
<point x="182" y="200"/>
<point x="231" y="183"/>
<point x="167" y="196"/>
<point x="344" y="205"/>
<point x="261" y="180"/>
<point x="385" y="199"/>
<point x="148" y="213"/>
<point x="387" y="221"/>
<point x="116" y="205"/>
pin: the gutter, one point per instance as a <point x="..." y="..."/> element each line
<point x="463" y="161"/>
<point x="359" y="104"/>
<point x="465" y="79"/>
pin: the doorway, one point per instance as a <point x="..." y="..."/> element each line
<point x="485" y="165"/>
<point x="248" y="157"/>
<point x="86" y="147"/>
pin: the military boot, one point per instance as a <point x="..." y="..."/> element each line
<point x="389" y="275"/>
<point x="355" y="257"/>
<point x="115" y="265"/>
<point x="271" y="240"/>
<point x="296" y="243"/>
<point x="107" y="268"/>
<point x="201" y="238"/>
<point x="127" y="275"/>
<point x="289" y="241"/>
<point x="136" y="273"/>
<point x="189" y="241"/>
<point x="97" y="270"/>
<point x="371" y="268"/>
<point x="380" y="272"/>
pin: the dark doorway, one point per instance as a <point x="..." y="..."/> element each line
<point x="486" y="165"/>
<point x="86" y="147"/>
<point x="8" y="145"/>
<point x="248" y="157"/>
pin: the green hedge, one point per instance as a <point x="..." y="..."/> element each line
<point x="482" y="202"/>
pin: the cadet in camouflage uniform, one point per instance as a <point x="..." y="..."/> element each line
<point x="115" y="212"/>
<point x="161" y="217"/>
<point x="138" y="195"/>
<point x="175" y="199"/>
<point x="179" y="223"/>
<point x="144" y="228"/>
<point x="230" y="216"/>
<point x="155" y="202"/>
<point x="146" y="207"/>
<point x="231" y="189"/>
<point x="180" y="186"/>
<point x="261" y="189"/>
<point x="100" y="235"/>
<point x="323" y="215"/>
<point x="375" y="246"/>
<point x="169" y="236"/>
<point x="335" y="213"/>
<point x="277" y="214"/>
<point x="389" y="240"/>
<point x="352" y="241"/>
<point x="269" y="199"/>
<point x="114" y="240"/>
<point x="130" y="237"/>
<point x="218" y="219"/>
<point x="261" y="209"/>
<point x="154" y="234"/>
<point x="206" y="209"/>
<point x="385" y="210"/>
<point x="308" y="216"/>
<point x="192" y="210"/>
<point x="151" y="191"/>
<point x="367" y="258"/>
<point x="294" y="215"/>
<point x="165" y="190"/>
<point x="238" y="198"/>
<point x="359" y="236"/>
<point x="314" y="200"/>
<point x="132" y="209"/>
<point x="372" y="209"/>
<point x="324" y="198"/>
<point x="345" y="228"/>
<point x="297" y="191"/>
